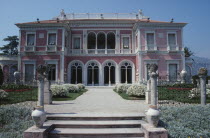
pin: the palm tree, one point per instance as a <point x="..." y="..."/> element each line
<point x="188" y="52"/>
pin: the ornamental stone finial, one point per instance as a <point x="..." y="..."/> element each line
<point x="203" y="71"/>
<point x="42" y="70"/>
<point x="153" y="68"/>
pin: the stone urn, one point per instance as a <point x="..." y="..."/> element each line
<point x="39" y="116"/>
<point x="153" y="115"/>
<point x="183" y="76"/>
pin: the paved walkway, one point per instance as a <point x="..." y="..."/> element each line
<point x="98" y="101"/>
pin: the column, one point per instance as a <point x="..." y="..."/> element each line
<point x="40" y="91"/>
<point x="85" y="41"/>
<point x="117" y="74"/>
<point x="202" y="75"/>
<point x="148" y="92"/>
<point x="183" y="73"/>
<point x="47" y="92"/>
<point x="140" y="67"/>
<point x="62" y="67"/>
<point x="109" y="77"/>
<point x="117" y="42"/>
<point x="153" y="78"/>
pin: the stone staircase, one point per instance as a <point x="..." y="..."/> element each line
<point x="75" y="126"/>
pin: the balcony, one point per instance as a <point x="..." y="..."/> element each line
<point x="51" y="48"/>
<point x="172" y="48"/>
<point x="29" y="48"/>
<point x="151" y="48"/>
<point x="99" y="51"/>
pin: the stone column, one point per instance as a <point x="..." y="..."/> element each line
<point x="40" y="91"/>
<point x="117" y="74"/>
<point x="148" y="92"/>
<point x="153" y="78"/>
<point x="202" y="74"/>
<point x="47" y="92"/>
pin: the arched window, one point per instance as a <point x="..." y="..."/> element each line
<point x="91" y="40"/>
<point x="93" y="73"/>
<point x="109" y="73"/>
<point x="101" y="40"/>
<point x="76" y="73"/>
<point x="111" y="40"/>
<point x="126" y="73"/>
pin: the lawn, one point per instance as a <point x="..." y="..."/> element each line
<point x="177" y="94"/>
<point x="127" y="97"/>
<point x="70" y="96"/>
<point x="20" y="96"/>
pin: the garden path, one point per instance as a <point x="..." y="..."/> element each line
<point x="98" y="101"/>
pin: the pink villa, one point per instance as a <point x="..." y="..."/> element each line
<point x="101" y="49"/>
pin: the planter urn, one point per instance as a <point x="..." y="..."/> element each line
<point x="153" y="116"/>
<point x="39" y="116"/>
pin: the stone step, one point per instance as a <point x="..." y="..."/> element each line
<point x="95" y="133"/>
<point x="99" y="87"/>
<point x="92" y="117"/>
<point x="96" y="124"/>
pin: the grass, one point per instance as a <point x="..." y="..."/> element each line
<point x="177" y="95"/>
<point x="127" y="97"/>
<point x="17" y="97"/>
<point x="70" y="96"/>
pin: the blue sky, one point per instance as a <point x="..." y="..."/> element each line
<point x="194" y="12"/>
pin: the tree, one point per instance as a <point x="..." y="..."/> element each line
<point x="11" y="47"/>
<point x="1" y="76"/>
<point x="188" y="52"/>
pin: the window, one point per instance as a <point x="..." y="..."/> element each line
<point x="126" y="42"/>
<point x="76" y="42"/>
<point x="52" y="72"/>
<point x="171" y="39"/>
<point x="29" y="73"/>
<point x="30" y="39"/>
<point x="91" y="40"/>
<point x="111" y="41"/>
<point x="101" y="41"/>
<point x="52" y="39"/>
<point x="150" y="39"/>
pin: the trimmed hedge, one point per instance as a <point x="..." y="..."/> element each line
<point x="14" y="120"/>
<point x="186" y="121"/>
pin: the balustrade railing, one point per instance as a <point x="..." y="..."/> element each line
<point x="100" y="51"/>
<point x="29" y="48"/>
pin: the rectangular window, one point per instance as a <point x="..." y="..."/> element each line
<point x="125" y="42"/>
<point x="52" y="72"/>
<point x="76" y="42"/>
<point x="172" y="72"/>
<point x="52" y="39"/>
<point x="150" y="39"/>
<point x="29" y="73"/>
<point x="171" y="39"/>
<point x="30" y="39"/>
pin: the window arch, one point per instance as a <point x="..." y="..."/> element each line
<point x="110" y="40"/>
<point x="109" y="73"/>
<point x="101" y="40"/>
<point x="93" y="73"/>
<point x="91" y="40"/>
<point x="126" y="72"/>
<point x="76" y="73"/>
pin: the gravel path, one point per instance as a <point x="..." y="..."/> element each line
<point x="98" y="101"/>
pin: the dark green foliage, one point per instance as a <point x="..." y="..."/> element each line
<point x="1" y="76"/>
<point x="186" y="121"/>
<point x="14" y="120"/>
<point x="11" y="47"/>
<point x="188" y="52"/>
<point x="15" y="86"/>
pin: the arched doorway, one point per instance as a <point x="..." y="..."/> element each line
<point x="93" y="73"/>
<point x="109" y="73"/>
<point x="126" y="72"/>
<point x="76" y="73"/>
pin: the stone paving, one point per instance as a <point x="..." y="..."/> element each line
<point x="98" y="101"/>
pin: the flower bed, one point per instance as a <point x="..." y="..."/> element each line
<point x="15" y="90"/>
<point x="172" y="88"/>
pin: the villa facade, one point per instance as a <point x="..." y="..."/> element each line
<point x="101" y="49"/>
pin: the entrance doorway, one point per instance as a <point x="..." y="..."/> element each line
<point x="126" y="73"/>
<point x="109" y="73"/>
<point x="76" y="73"/>
<point x="93" y="74"/>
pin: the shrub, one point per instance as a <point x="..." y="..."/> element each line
<point x="122" y="88"/>
<point x="1" y="76"/>
<point x="14" y="120"/>
<point x="71" y="87"/>
<point x="136" y="90"/>
<point x="194" y="93"/>
<point x="186" y="121"/>
<point x="81" y="86"/>
<point x="3" y="94"/>
<point x="15" y="86"/>
<point x="59" y="90"/>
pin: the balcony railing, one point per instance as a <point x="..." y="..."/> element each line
<point x="100" y="51"/>
<point x="151" y="48"/>
<point x="51" y="48"/>
<point x="172" y="48"/>
<point x="29" y="48"/>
